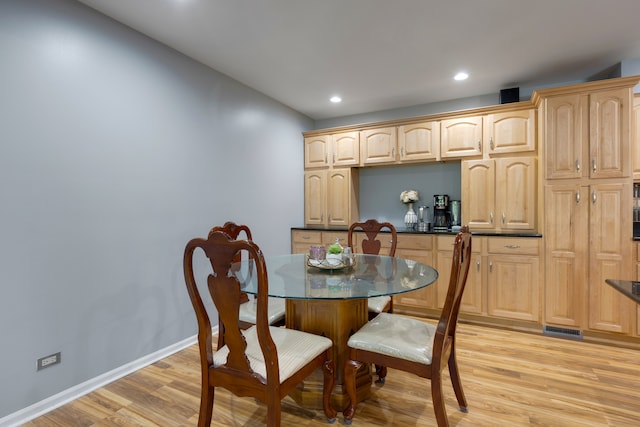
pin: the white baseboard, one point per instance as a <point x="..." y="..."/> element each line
<point x="37" y="409"/>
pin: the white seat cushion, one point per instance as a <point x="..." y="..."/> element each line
<point x="295" y="349"/>
<point x="377" y="304"/>
<point x="396" y="336"/>
<point x="275" y="311"/>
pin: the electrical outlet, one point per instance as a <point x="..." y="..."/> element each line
<point x="47" y="361"/>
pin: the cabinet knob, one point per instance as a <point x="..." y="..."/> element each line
<point x="491" y="217"/>
<point x="503" y="217"/>
<point x="490" y="266"/>
<point x="594" y="165"/>
<point x="577" y="197"/>
<point x="594" y="197"/>
<point x="478" y="265"/>
<point x="578" y="165"/>
<point x="512" y="246"/>
<point x="479" y="145"/>
<point x="491" y="143"/>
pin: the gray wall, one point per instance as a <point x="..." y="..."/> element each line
<point x="114" y="152"/>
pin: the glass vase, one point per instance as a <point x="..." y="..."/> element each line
<point x="410" y="218"/>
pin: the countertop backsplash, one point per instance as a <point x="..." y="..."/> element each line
<point x="380" y="189"/>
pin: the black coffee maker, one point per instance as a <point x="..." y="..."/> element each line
<point x="441" y="214"/>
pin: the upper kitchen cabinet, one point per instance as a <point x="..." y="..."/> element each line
<point x="419" y="141"/>
<point x="340" y="149"/>
<point x="331" y="197"/>
<point x="461" y="137"/>
<point x="510" y="131"/>
<point x="345" y="149"/>
<point x="499" y="194"/>
<point x="316" y="151"/>
<point x="378" y="146"/>
<point x="635" y="137"/>
<point x="587" y="132"/>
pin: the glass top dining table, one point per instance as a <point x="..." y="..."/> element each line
<point x="291" y="277"/>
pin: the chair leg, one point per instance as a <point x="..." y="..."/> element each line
<point x="455" y="381"/>
<point x="349" y="386"/>
<point x="206" y="406"/>
<point x="381" y="371"/>
<point x="329" y="380"/>
<point x="274" y="409"/>
<point x="438" y="400"/>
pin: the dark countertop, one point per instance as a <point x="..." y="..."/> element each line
<point x="629" y="288"/>
<point x="453" y="233"/>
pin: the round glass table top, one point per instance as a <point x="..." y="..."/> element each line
<point x="290" y="276"/>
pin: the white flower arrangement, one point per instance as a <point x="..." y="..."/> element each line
<point x="409" y="196"/>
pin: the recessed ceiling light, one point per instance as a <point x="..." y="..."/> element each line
<point x="335" y="99"/>
<point x="461" y="76"/>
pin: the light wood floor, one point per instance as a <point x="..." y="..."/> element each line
<point x="510" y="379"/>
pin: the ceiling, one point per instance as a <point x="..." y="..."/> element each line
<point x="381" y="54"/>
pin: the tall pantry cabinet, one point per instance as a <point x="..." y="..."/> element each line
<point x="587" y="180"/>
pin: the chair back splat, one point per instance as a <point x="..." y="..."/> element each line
<point x="276" y="306"/>
<point x="372" y="245"/>
<point x="264" y="362"/>
<point x="414" y="346"/>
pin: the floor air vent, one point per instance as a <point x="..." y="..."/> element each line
<point x="555" y="331"/>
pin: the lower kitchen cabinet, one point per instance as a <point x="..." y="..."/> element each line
<point x="472" y="300"/>
<point x="417" y="248"/>
<point x="301" y="240"/>
<point x="513" y="279"/>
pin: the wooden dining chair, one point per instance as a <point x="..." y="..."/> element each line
<point x="276" y="306"/>
<point x="413" y="346"/>
<point x="372" y="245"/>
<point x="264" y="362"/>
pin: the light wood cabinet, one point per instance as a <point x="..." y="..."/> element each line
<point x="461" y="137"/>
<point x="510" y="131"/>
<point x="472" y="298"/>
<point x="378" y="146"/>
<point x="419" y="141"/>
<point x="417" y="248"/>
<point x="499" y="194"/>
<point x="346" y="149"/>
<point x="301" y="240"/>
<point x="635" y="137"/>
<point x="610" y="231"/>
<point x="331" y="197"/>
<point x="566" y="249"/>
<point x="513" y="289"/>
<point x="587" y="135"/>
<point x="316" y="151"/>
<point x="340" y="149"/>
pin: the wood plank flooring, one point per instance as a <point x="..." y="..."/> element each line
<point x="509" y="378"/>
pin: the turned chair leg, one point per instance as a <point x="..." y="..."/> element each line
<point x="349" y="386"/>
<point x="329" y="380"/>
<point x="206" y="406"/>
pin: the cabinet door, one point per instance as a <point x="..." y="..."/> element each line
<point x="511" y="132"/>
<point x="610" y="248"/>
<point x="472" y="296"/>
<point x="635" y="137"/>
<point x="339" y="197"/>
<point x="417" y="248"/>
<point x="315" y="196"/>
<point x="512" y="287"/>
<point x="316" y="151"/>
<point x="566" y="248"/>
<point x="346" y="148"/>
<point x="378" y="146"/>
<point x="516" y="193"/>
<point x="420" y="141"/>
<point x="461" y="137"/>
<point x="478" y="194"/>
<point x="609" y="134"/>
<point x="564" y="136"/>
<point x="301" y="240"/>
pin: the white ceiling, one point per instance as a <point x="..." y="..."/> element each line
<point x="384" y="54"/>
